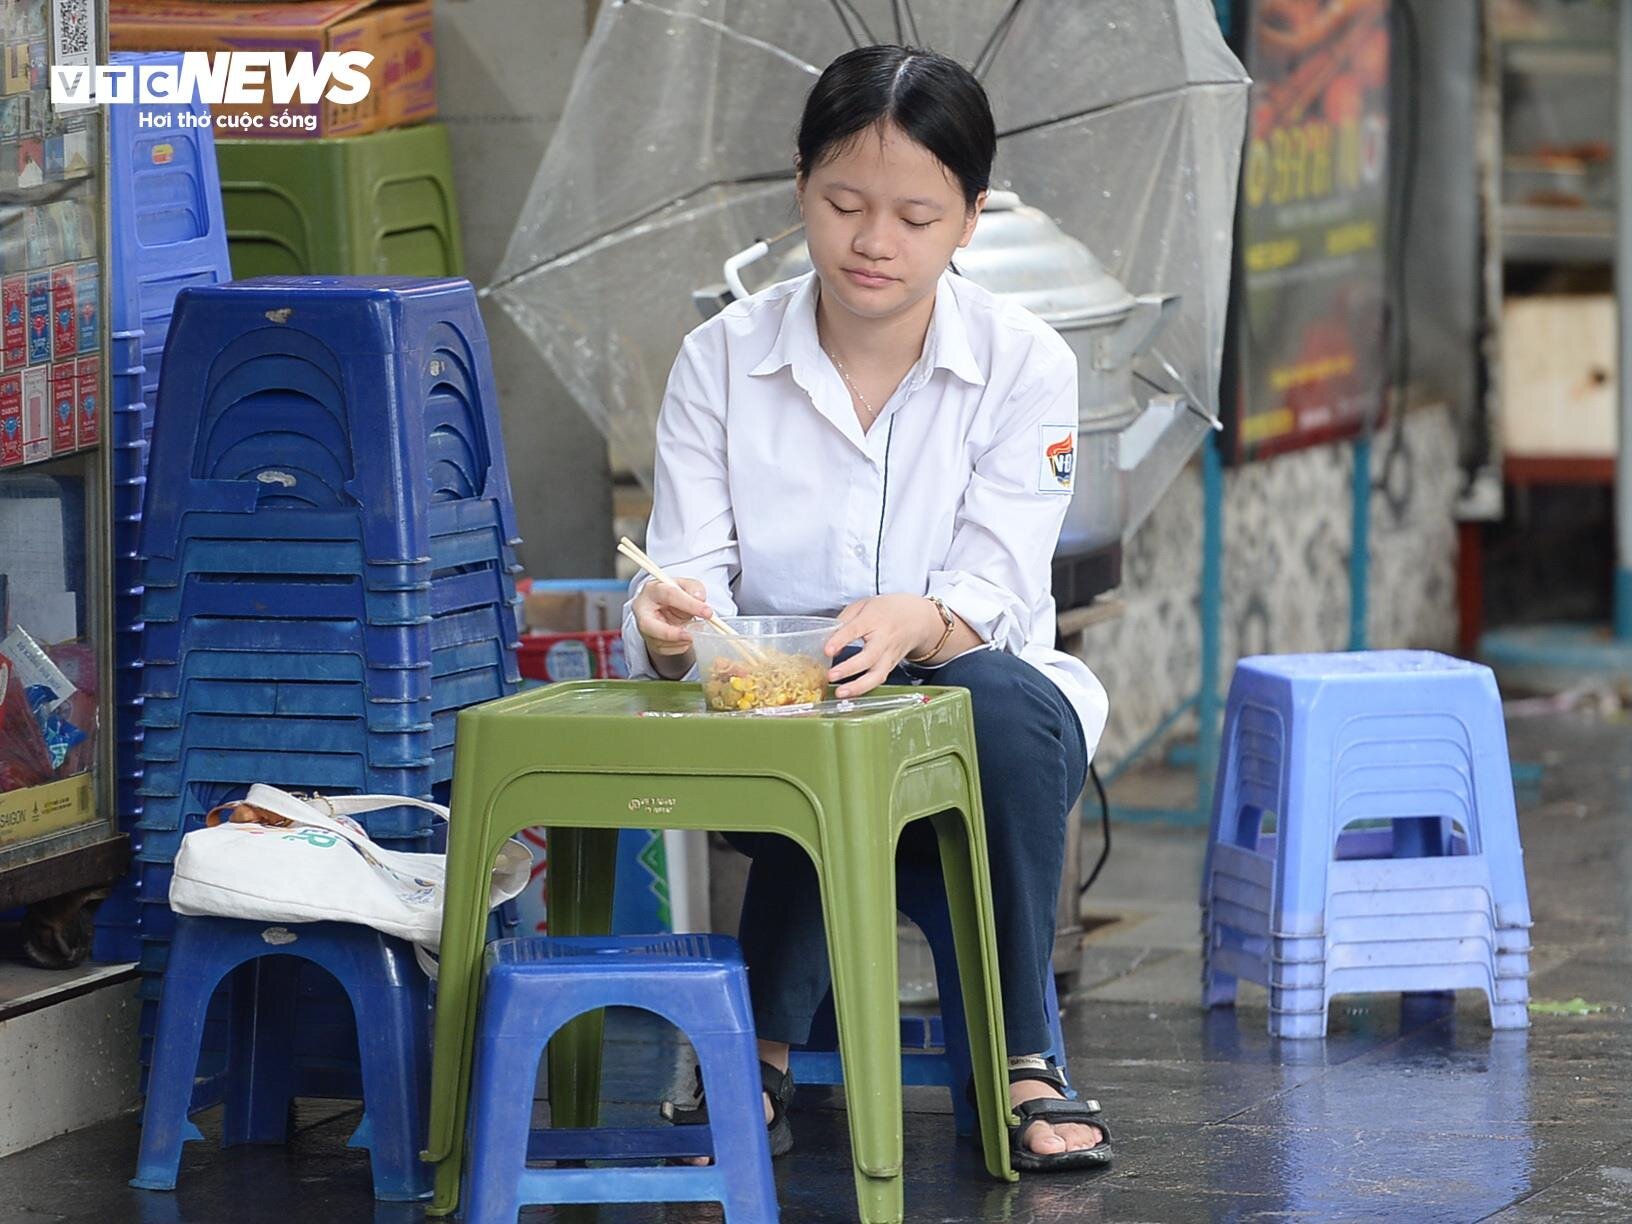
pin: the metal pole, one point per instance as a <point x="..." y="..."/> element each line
<point x="1623" y="297"/>
<point x="1208" y="705"/>
<point x="1360" y="543"/>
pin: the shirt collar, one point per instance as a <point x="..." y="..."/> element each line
<point x="945" y="346"/>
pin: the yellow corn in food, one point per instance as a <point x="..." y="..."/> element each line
<point x="781" y="679"/>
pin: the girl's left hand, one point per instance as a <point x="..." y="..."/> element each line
<point x="890" y="628"/>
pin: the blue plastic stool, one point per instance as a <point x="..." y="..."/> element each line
<point x="301" y="397"/>
<point x="533" y="987"/>
<point x="934" y="1049"/>
<point x="168" y="227"/>
<point x="166" y="231"/>
<point x="389" y="998"/>
<point x="1430" y="897"/>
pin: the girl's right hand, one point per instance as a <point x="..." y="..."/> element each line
<point x="663" y="612"/>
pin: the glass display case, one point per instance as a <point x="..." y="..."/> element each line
<point x="59" y="844"/>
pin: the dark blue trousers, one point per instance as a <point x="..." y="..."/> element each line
<point x="1032" y="767"/>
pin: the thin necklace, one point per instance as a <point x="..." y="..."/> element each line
<point x="845" y="374"/>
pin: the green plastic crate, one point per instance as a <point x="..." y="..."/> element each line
<point x="353" y="206"/>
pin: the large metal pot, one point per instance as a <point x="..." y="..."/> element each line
<point x="1020" y="254"/>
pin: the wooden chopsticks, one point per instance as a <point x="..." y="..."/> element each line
<point x="633" y="551"/>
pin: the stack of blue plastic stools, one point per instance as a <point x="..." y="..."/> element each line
<point x="386" y="988"/>
<point x="532" y="988"/>
<point x="934" y="1047"/>
<point x="1394" y="862"/>
<point x="329" y="564"/>
<point x="168" y="231"/>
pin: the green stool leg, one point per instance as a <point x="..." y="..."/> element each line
<point x="583" y="866"/>
<point x="464" y="926"/>
<point x="968" y="892"/>
<point x="858" y="902"/>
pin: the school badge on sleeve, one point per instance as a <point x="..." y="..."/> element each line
<point x="1057" y="455"/>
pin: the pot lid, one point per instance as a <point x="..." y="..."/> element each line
<point x="1019" y="253"/>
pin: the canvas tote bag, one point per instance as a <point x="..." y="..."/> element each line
<point x="277" y="857"/>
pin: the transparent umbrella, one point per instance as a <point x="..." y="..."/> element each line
<point x="1122" y="119"/>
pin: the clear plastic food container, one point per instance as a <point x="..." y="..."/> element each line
<point x="775" y="661"/>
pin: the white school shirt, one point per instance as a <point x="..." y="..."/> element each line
<point x="767" y="489"/>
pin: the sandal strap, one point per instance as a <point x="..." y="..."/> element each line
<point x="1031" y="1067"/>
<point x="778" y="1085"/>
<point x="1057" y="1113"/>
<point x="1039" y="1069"/>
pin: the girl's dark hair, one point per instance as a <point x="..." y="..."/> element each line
<point x="933" y="99"/>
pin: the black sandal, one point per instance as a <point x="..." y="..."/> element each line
<point x="1054" y="1112"/>
<point x="778" y="1085"/>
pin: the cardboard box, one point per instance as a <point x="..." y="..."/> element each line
<point x="398" y="35"/>
<point x="35" y="811"/>
<point x="567" y="606"/>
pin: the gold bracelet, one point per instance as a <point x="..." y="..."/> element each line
<point x="946" y="634"/>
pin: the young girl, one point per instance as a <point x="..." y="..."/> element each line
<point x="884" y="439"/>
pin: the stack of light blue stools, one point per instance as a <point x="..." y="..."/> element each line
<point x="328" y="571"/>
<point x="384" y="985"/>
<point x="167" y="231"/>
<point x="1364" y="837"/>
<point x="534" y="986"/>
<point x="934" y="1047"/>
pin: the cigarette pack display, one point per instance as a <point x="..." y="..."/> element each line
<point x="87" y="299"/>
<point x="88" y="376"/>
<point x="64" y="409"/>
<point x="64" y="326"/>
<point x="14" y="321"/>
<point x="62" y="575"/>
<point x="39" y="317"/>
<point x="36" y="414"/>
<point x="11" y="420"/>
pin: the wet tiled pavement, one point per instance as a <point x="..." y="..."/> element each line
<point x="1410" y="1110"/>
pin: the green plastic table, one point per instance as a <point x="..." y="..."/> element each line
<point x="586" y="759"/>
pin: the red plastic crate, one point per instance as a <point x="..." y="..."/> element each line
<point x="572" y="656"/>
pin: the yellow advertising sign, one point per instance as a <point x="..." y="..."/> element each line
<point x="35" y="811"/>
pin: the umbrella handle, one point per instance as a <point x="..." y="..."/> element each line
<point x="760" y="249"/>
<point x="739" y="261"/>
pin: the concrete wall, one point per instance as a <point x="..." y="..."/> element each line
<point x="67" y="1065"/>
<point x="504" y="68"/>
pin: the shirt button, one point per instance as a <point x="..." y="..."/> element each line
<point x="861" y="552"/>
